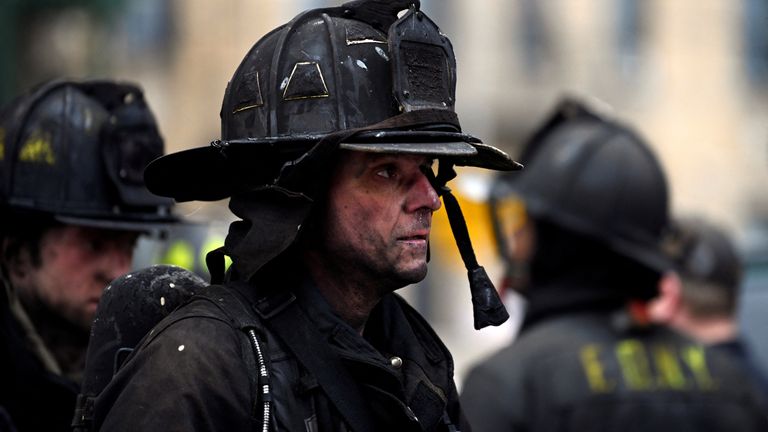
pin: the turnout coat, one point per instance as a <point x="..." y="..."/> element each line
<point x="197" y="369"/>
<point x="587" y="368"/>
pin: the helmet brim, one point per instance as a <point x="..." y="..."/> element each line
<point x="216" y="172"/>
<point x="459" y="152"/>
<point x="137" y="225"/>
<point x="458" y="148"/>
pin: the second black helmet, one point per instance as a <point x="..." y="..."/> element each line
<point x="597" y="177"/>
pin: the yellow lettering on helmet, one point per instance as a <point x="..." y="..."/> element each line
<point x="179" y="253"/>
<point x="593" y="369"/>
<point x="670" y="374"/>
<point x="38" y="149"/>
<point x="696" y="360"/>
<point x="633" y="361"/>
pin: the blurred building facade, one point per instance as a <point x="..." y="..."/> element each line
<point x="691" y="75"/>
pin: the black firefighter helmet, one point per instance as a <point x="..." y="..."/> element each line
<point x="595" y="177"/>
<point x="77" y="150"/>
<point x="337" y="69"/>
<point x="352" y="77"/>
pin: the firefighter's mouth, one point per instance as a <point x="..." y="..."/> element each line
<point x="414" y="238"/>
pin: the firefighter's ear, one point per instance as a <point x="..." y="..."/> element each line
<point x="666" y="306"/>
<point x="17" y="262"/>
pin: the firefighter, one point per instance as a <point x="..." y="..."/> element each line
<point x="72" y="204"/>
<point x="338" y="137"/>
<point x="700" y="296"/>
<point x="587" y="357"/>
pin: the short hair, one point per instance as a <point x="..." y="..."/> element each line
<point x="707" y="300"/>
<point x="22" y="232"/>
<point x="708" y="265"/>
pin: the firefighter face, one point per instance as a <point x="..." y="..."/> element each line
<point x="76" y="264"/>
<point x="378" y="218"/>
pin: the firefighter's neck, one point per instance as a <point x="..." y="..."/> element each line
<point x="706" y="329"/>
<point x="351" y="294"/>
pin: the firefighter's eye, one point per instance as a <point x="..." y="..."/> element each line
<point x="95" y="245"/>
<point x="387" y="171"/>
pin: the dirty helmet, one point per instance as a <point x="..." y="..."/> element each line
<point x="370" y="76"/>
<point x="76" y="150"/>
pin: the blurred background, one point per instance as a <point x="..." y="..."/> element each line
<point x="691" y="76"/>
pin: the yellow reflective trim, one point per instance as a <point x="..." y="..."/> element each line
<point x="38" y="149"/>
<point x="322" y="81"/>
<point x="633" y="361"/>
<point x="670" y="373"/>
<point x="179" y="253"/>
<point x="696" y="359"/>
<point x="593" y="369"/>
<point x="512" y="215"/>
<point x="2" y="144"/>
<point x="211" y="243"/>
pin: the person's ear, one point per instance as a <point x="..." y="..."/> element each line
<point x="18" y="265"/>
<point x="666" y="306"/>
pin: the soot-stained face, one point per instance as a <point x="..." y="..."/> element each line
<point x="378" y="218"/>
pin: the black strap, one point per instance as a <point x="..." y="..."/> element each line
<point x="216" y="264"/>
<point x="288" y="322"/>
<point x="488" y="309"/>
<point x="241" y="317"/>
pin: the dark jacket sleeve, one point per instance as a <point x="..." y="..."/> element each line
<point x="190" y="376"/>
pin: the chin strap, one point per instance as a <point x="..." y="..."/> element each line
<point x="487" y="306"/>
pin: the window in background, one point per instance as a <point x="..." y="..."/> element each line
<point x="630" y="32"/>
<point x="533" y="36"/>
<point x="146" y="27"/>
<point x="756" y="41"/>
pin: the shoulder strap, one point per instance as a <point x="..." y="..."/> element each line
<point x="288" y="322"/>
<point x="233" y="304"/>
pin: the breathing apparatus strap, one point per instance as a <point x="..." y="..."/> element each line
<point x="282" y="315"/>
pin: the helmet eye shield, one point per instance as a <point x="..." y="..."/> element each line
<point x="128" y="152"/>
<point x="129" y="141"/>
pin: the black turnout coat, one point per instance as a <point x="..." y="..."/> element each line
<point x="32" y="397"/>
<point x="194" y="372"/>
<point x="586" y="369"/>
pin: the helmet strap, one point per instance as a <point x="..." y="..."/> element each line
<point x="216" y="265"/>
<point x="487" y="306"/>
